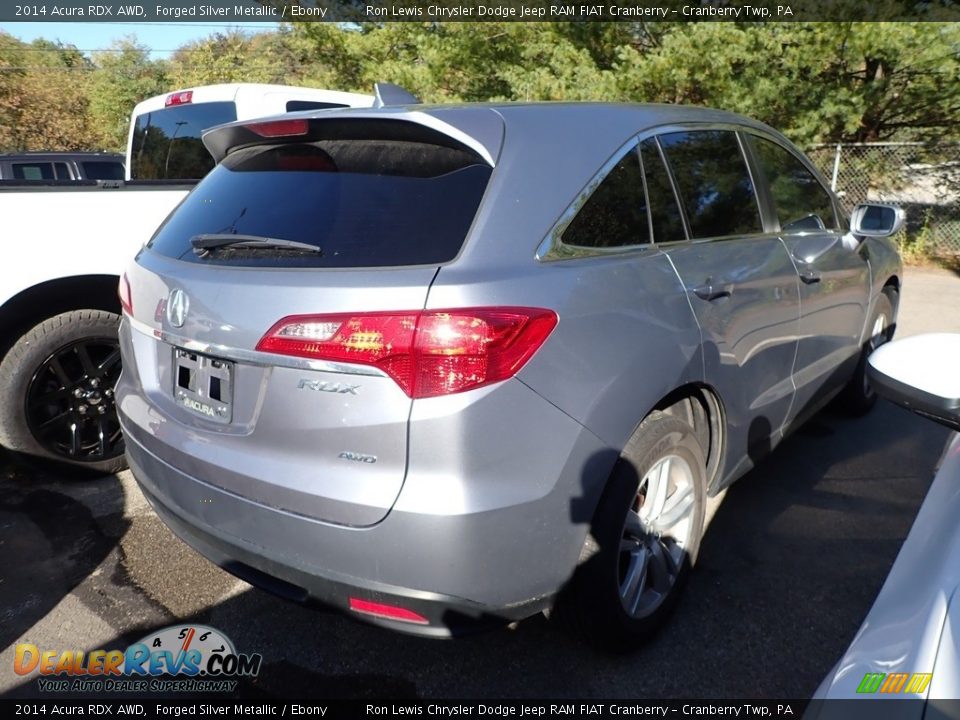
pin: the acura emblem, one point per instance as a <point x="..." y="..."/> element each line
<point x="178" y="304"/>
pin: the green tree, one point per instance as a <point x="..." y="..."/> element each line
<point x="236" y="57"/>
<point x="124" y="76"/>
<point x="43" y="96"/>
<point x="816" y="81"/>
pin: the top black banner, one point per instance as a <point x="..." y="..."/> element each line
<point x="382" y="11"/>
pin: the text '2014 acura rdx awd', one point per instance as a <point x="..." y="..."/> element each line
<point x="438" y="366"/>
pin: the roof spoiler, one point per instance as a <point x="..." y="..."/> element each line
<point x="390" y="94"/>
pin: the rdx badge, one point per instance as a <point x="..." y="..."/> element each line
<point x="329" y="387"/>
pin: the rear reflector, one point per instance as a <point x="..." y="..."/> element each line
<point x="123" y="291"/>
<point x="390" y="612"/>
<point x="279" y="128"/>
<point x="179" y="98"/>
<point x="428" y="353"/>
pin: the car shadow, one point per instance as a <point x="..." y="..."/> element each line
<point x="788" y="568"/>
<point x="56" y="533"/>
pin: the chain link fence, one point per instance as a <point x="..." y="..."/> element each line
<point x="922" y="179"/>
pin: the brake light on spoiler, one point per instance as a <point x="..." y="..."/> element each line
<point x="427" y="353"/>
<point x="179" y="98"/>
<point x="279" y="128"/>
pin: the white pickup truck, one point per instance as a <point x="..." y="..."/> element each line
<point x="64" y="247"/>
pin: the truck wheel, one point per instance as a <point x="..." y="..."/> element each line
<point x="56" y="393"/>
<point x="858" y="398"/>
<point x="644" y="537"/>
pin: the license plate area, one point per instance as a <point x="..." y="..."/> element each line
<point x="203" y="385"/>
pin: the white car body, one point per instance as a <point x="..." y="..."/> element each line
<point x="86" y="230"/>
<point x="252" y="100"/>
<point x="67" y="243"/>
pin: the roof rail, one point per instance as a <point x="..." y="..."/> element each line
<point x="390" y="94"/>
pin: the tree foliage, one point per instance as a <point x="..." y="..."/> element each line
<point x="123" y="76"/>
<point x="818" y="82"/>
<point x="44" y="101"/>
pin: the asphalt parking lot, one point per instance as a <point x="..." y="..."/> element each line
<point x="794" y="555"/>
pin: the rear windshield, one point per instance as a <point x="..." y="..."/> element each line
<point x="167" y="144"/>
<point x="363" y="203"/>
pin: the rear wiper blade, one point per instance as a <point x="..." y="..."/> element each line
<point x="208" y="241"/>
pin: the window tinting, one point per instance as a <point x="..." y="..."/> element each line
<point x="363" y="203"/>
<point x="167" y="144"/>
<point x="102" y="169"/>
<point x="615" y="214"/>
<point x="714" y="183"/>
<point x="664" y="212"/>
<point x="801" y="201"/>
<point x="33" y="171"/>
<point x="298" y="105"/>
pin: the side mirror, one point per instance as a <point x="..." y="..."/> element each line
<point x="921" y="373"/>
<point x="876" y="220"/>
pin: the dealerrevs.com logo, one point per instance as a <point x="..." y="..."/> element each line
<point x="179" y="658"/>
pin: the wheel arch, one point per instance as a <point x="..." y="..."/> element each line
<point x="35" y="304"/>
<point x="700" y="406"/>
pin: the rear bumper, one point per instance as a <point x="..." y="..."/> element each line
<point x="458" y="571"/>
<point x="445" y="615"/>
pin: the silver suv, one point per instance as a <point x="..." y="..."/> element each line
<point x="440" y="366"/>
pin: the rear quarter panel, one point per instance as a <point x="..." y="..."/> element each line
<point x="626" y="335"/>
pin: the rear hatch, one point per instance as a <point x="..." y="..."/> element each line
<point x="316" y="233"/>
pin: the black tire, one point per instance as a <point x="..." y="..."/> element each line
<point x="56" y="393"/>
<point x="858" y="398"/>
<point x="597" y="600"/>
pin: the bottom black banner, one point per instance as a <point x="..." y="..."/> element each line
<point x="866" y="709"/>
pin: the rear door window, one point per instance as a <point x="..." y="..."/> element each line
<point x="167" y="144"/>
<point x="664" y="212"/>
<point x="801" y="202"/>
<point x="714" y="183"/>
<point x="361" y="202"/>
<point x="615" y="213"/>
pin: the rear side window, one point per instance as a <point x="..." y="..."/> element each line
<point x="102" y="170"/>
<point x="362" y="203"/>
<point x="714" y="183"/>
<point x="167" y="144"/>
<point x="664" y="211"/>
<point x="34" y="171"/>
<point x="801" y="202"/>
<point x="615" y="213"/>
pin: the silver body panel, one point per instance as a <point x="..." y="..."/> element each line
<point x="479" y="499"/>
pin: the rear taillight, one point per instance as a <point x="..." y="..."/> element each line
<point x="428" y="353"/>
<point x="123" y="291"/>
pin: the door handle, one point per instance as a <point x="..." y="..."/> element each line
<point x="713" y="292"/>
<point x="810" y="277"/>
